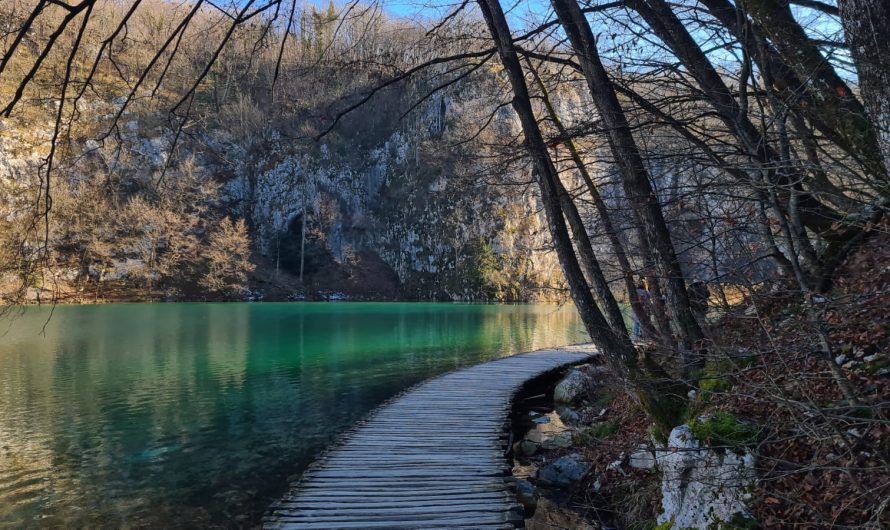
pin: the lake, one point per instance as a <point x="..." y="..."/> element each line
<point x="175" y="415"/>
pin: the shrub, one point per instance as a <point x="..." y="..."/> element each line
<point x="723" y="429"/>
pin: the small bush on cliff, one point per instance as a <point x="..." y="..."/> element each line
<point x="724" y="430"/>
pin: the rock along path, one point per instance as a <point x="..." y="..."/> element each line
<point x="432" y="457"/>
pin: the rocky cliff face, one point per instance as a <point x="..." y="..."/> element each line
<point x="398" y="211"/>
<point x="435" y="203"/>
<point x="410" y="201"/>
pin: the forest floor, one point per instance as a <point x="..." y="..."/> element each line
<point x="822" y="452"/>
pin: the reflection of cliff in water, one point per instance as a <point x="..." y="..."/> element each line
<point x="194" y="414"/>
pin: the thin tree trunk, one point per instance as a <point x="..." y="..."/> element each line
<point x="589" y="264"/>
<point x="819" y="183"/>
<point x="617" y="348"/>
<point x="766" y="234"/>
<point x="836" y="114"/>
<point x="656" y="294"/>
<point x="635" y="178"/>
<point x="605" y="218"/>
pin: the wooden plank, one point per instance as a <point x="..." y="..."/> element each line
<point x="431" y="458"/>
<point x="336" y="512"/>
<point x="432" y="497"/>
<point x="440" y="489"/>
<point x="426" y="525"/>
<point x="396" y="481"/>
<point x="333" y="511"/>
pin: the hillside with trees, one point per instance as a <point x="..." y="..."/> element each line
<point x="149" y="169"/>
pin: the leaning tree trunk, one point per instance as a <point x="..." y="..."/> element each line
<point x="616" y="347"/>
<point x="589" y="264"/>
<point x="637" y="307"/>
<point x="818" y="102"/>
<point x="866" y="24"/>
<point x="660" y="17"/>
<point x="634" y="177"/>
<point x="837" y="103"/>
<point x="593" y="318"/>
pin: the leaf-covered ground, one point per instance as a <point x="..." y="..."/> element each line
<point x="823" y="459"/>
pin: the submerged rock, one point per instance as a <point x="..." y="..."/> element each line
<point x="701" y="487"/>
<point x="564" y="471"/>
<point x="549" y="434"/>
<point x="524" y="471"/>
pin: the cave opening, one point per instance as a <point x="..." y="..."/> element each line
<point x="303" y="246"/>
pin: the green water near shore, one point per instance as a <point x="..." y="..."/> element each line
<point x="184" y="415"/>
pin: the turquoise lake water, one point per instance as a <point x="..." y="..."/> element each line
<point x="196" y="415"/>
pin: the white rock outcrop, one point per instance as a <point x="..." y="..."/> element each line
<point x="701" y="487"/>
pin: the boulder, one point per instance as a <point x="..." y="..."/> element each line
<point x="702" y="488"/>
<point x="558" y="440"/>
<point x="528" y="448"/>
<point x="571" y="386"/>
<point x="564" y="471"/>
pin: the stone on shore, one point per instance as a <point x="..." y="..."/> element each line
<point x="526" y="495"/>
<point x="569" y="415"/>
<point x="564" y="471"/>
<point x="571" y="386"/>
<point x="552" y="434"/>
<point x="528" y="448"/>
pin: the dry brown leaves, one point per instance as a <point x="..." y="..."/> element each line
<point x="823" y="463"/>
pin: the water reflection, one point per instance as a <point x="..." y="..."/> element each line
<point x="196" y="414"/>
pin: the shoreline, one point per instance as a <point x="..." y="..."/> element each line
<point x="567" y="457"/>
<point x="101" y="302"/>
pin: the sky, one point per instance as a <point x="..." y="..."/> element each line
<point x="525" y="14"/>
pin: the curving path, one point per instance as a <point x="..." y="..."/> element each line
<point x="431" y="458"/>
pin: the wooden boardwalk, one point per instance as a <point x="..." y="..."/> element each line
<point x="433" y="457"/>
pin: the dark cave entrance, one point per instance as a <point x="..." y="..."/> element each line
<point x="314" y="250"/>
